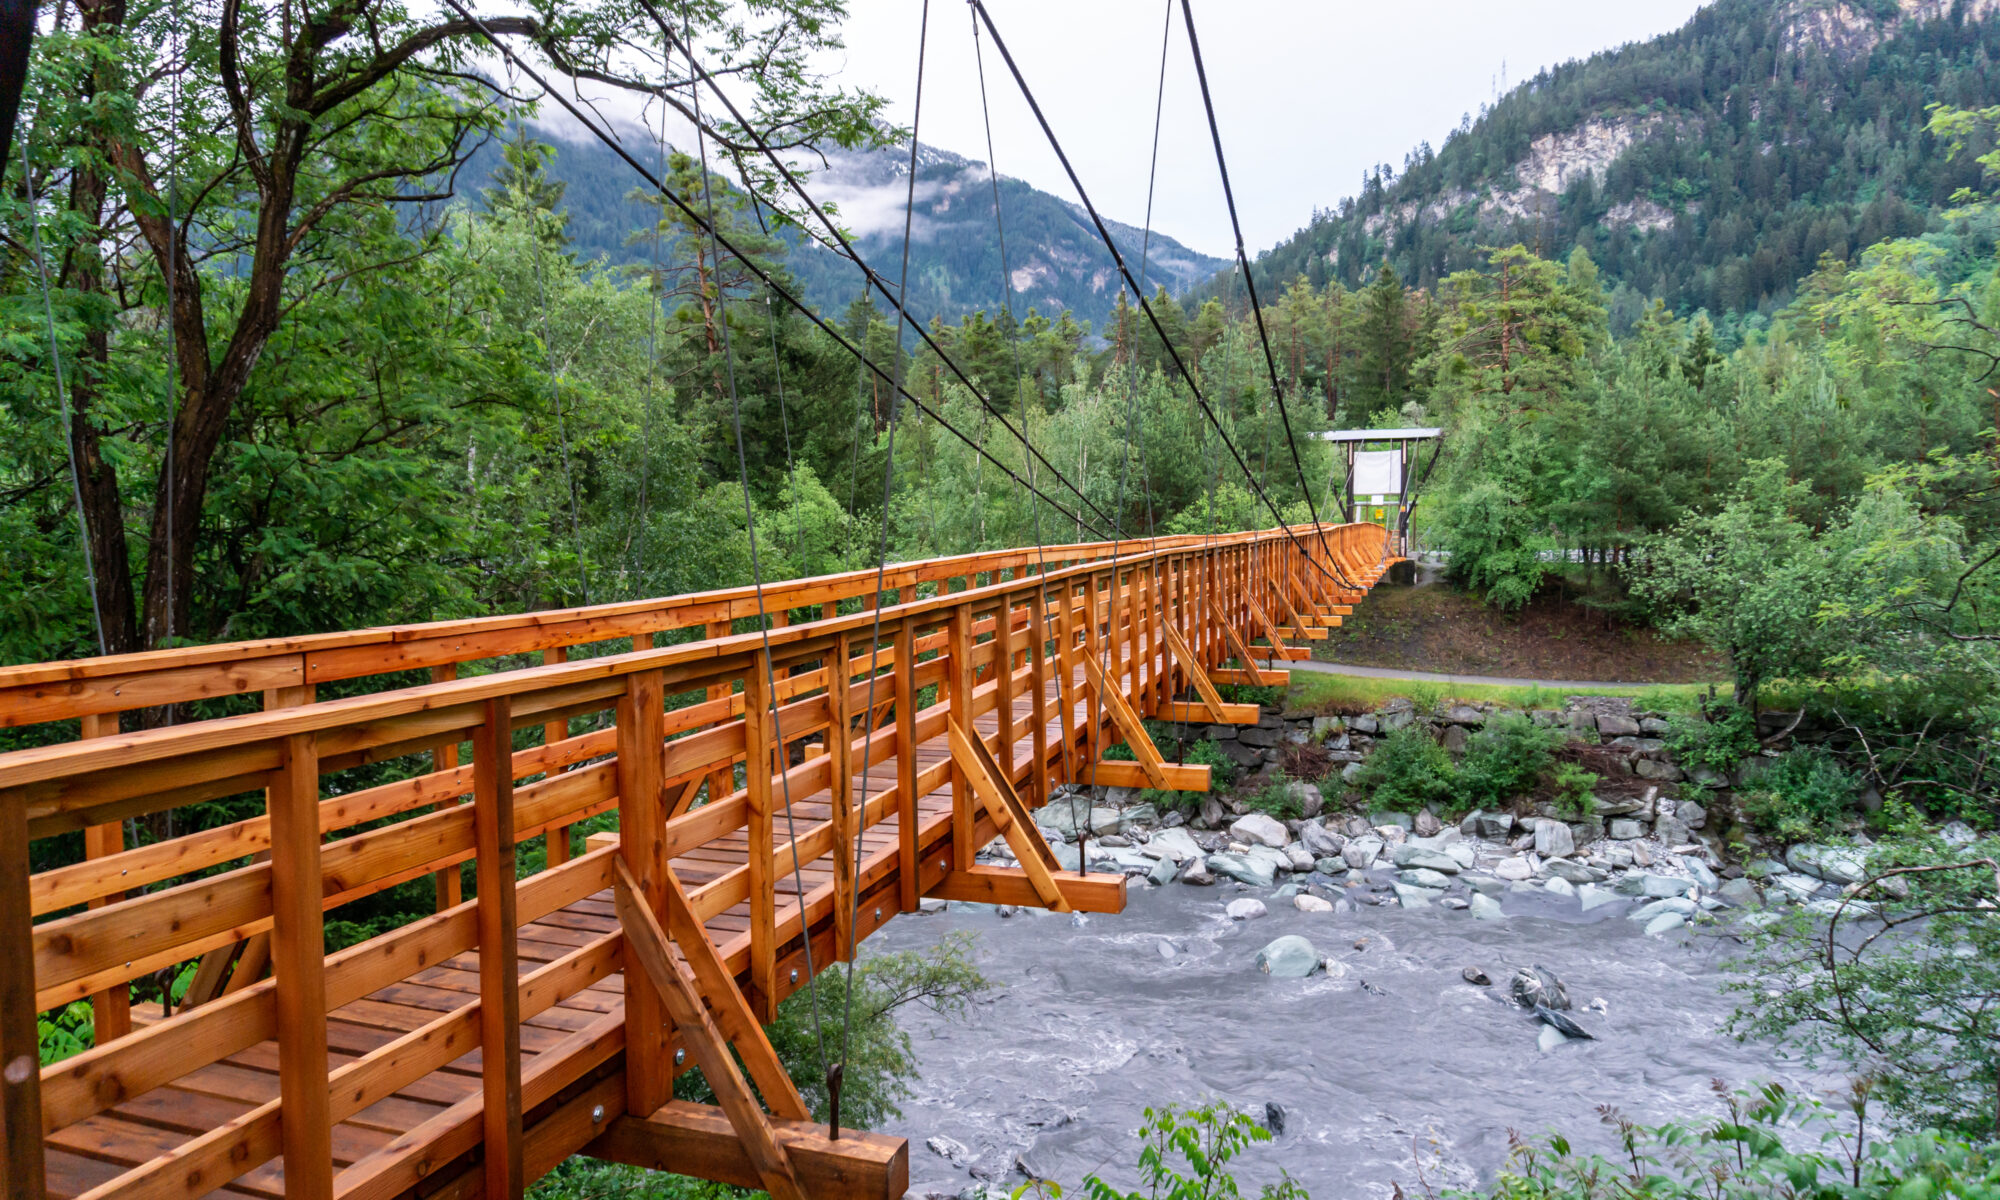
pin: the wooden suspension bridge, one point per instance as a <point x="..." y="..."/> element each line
<point x="916" y="718"/>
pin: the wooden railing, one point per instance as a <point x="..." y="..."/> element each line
<point x="418" y="780"/>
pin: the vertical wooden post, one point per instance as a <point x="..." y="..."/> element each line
<point x="1066" y="668"/>
<point x="499" y="984"/>
<point x="961" y="679"/>
<point x="649" y="1077"/>
<point x="847" y="825"/>
<point x="1003" y="659"/>
<point x="557" y="839"/>
<point x="110" y="1009"/>
<point x="908" y="860"/>
<point x="444" y="757"/>
<point x="20" y="1057"/>
<point x="298" y="958"/>
<point x="1093" y="642"/>
<point x="757" y="739"/>
<point x="1038" y="679"/>
<point x="722" y="780"/>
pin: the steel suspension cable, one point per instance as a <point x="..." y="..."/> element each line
<point x="1118" y="260"/>
<point x="1250" y="283"/>
<point x="703" y="226"/>
<point x="874" y="278"/>
<point x="756" y="566"/>
<point x="837" y="1074"/>
<point x="62" y="391"/>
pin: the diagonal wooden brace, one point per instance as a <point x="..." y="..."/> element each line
<point x="684" y="1004"/>
<point x="1217" y="711"/>
<point x="1010" y="816"/>
<point x="1128" y="723"/>
<point x="1242" y="651"/>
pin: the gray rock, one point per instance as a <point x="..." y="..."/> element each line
<point x="1835" y="864"/>
<point x="1330" y="866"/>
<point x="1553" y="839"/>
<point x="1799" y="888"/>
<point x="1302" y="859"/>
<point x="1278" y="859"/>
<point x="1307" y="797"/>
<point x="1666" y="923"/>
<point x="1465" y="714"/>
<point x="1562" y="1024"/>
<point x="1654" y="726"/>
<point x="1391" y="721"/>
<point x="1175" y="844"/>
<point x="1538" y="986"/>
<point x="1640" y="883"/>
<point x="1486" y="908"/>
<point x="950" y="1149"/>
<point x="1138" y="817"/>
<point x="1571" y="871"/>
<point x="1455" y="739"/>
<point x="1243" y="869"/>
<point x="1426" y="825"/>
<point x="1699" y="869"/>
<point x="1708" y="777"/>
<point x="1594" y="897"/>
<point x="1059" y="816"/>
<point x="1402" y="821"/>
<point x="1245" y="908"/>
<point x="1625" y="829"/>
<point x="1410" y="896"/>
<point x="1646" y="912"/>
<point x="1260" y="738"/>
<point x="1419" y="877"/>
<point x="1515" y="869"/>
<point x="1323" y="842"/>
<point x="1257" y="829"/>
<point x="1463" y="854"/>
<point x="1741" y="893"/>
<point x="1411" y="855"/>
<point x="1361" y="853"/>
<point x="1648" y="768"/>
<point x="1365" y="723"/>
<point x="1956" y="833"/>
<point x="1616" y="725"/>
<point x="1476" y="977"/>
<point x="1672" y="830"/>
<point x="1487" y="885"/>
<point x="1559" y="886"/>
<point x="1195" y="871"/>
<point x="1163" y="872"/>
<point x="1289" y="957"/>
<point x="1307" y="902"/>
<point x="1549" y="1038"/>
<point x="1325" y="727"/>
<point x="1496" y="826"/>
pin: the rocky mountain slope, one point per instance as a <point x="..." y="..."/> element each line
<point x="1711" y="167"/>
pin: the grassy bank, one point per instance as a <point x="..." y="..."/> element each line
<point x="1347" y="693"/>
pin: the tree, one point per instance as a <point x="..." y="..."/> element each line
<point x="329" y="126"/>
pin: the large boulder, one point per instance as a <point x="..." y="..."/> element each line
<point x="1496" y="826"/>
<point x="1553" y="839"/>
<point x="1465" y="714"/>
<point x="1289" y="957"/>
<point x="1486" y="908"/>
<point x="1612" y="725"/>
<point x="1412" y="896"/>
<point x="1411" y="855"/>
<point x="1278" y="859"/>
<point x="1835" y="864"/>
<point x="1175" y="844"/>
<point x="1538" y="987"/>
<point x="1639" y="883"/>
<point x="1420" y="877"/>
<point x="1306" y="797"/>
<point x="1570" y="871"/>
<point x="1361" y="853"/>
<point x="1323" y="842"/>
<point x="1625" y="829"/>
<point x="1257" y="829"/>
<point x="1246" y="908"/>
<point x="1064" y="818"/>
<point x="1195" y="872"/>
<point x="1243" y="869"/>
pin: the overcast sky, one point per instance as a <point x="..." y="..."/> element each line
<point x="1309" y="93"/>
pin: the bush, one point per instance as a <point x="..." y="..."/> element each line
<point x="1718" y="743"/>
<point x="1767" y="1145"/>
<point x="1805" y="794"/>
<point x="1221" y="773"/>
<point x="1574" y="788"/>
<point x="1276" y="799"/>
<point x="1504" y="760"/>
<point x="1409" y="770"/>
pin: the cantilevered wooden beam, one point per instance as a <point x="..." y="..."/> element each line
<point x="1097" y="892"/>
<point x="990" y="786"/>
<point x="1128" y="723"/>
<point x="752" y="1130"/>
<point x="1211" y="707"/>
<point x="698" y="1139"/>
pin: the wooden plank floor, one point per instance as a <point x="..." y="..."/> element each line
<point x="99" y="1148"/>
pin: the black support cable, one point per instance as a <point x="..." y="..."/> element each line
<point x="1250" y="284"/>
<point x="1118" y="260"/>
<point x="762" y="275"/>
<point x="874" y="278"/>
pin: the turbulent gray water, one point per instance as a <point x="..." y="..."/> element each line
<point x="1092" y="1022"/>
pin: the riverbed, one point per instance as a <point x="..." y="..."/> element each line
<point x="1386" y="1066"/>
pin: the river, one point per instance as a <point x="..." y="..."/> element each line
<point x="1396" y="1063"/>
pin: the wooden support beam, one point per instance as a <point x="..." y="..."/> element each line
<point x="1037" y="861"/>
<point x="1097" y="892"/>
<point x="752" y="1129"/>
<point x="840" y="794"/>
<point x="907" y="851"/>
<point x="649" y="1077"/>
<point x="1179" y="777"/>
<point x="1216" y="710"/>
<point x="556" y="841"/>
<point x="1250" y="672"/>
<point x="298" y="954"/>
<point x="698" y="1139"/>
<point x="1214" y="714"/>
<point x="1127" y="721"/>
<point x="759" y="741"/>
<point x="499" y="991"/>
<point x="20" y="1074"/>
<point x="111" y="1009"/>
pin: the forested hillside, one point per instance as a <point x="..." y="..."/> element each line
<point x="1710" y="167"/>
<point x="1054" y="258"/>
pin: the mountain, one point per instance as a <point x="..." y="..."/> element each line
<point x="1054" y="256"/>
<point x="1710" y="167"/>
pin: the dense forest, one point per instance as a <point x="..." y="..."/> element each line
<point x="1710" y="168"/>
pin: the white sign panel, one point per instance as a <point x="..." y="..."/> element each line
<point x="1378" y="472"/>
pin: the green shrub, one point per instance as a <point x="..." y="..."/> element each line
<point x="1186" y="1155"/>
<point x="1221" y="773"/>
<point x="1768" y="1144"/>
<point x="1243" y="693"/>
<point x="1573" y="791"/>
<point x="1409" y="770"/>
<point x="1504" y="760"/>
<point x="1718" y="743"/>
<point x="1805" y="794"/>
<point x="1275" y="800"/>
